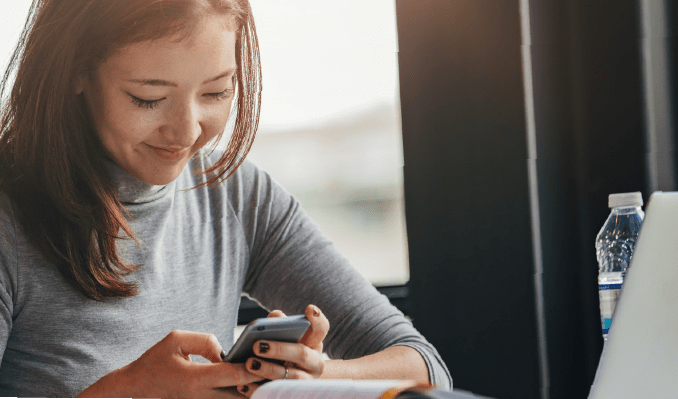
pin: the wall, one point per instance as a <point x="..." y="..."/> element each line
<point x="507" y="173"/>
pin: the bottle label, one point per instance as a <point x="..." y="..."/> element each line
<point x="608" y="294"/>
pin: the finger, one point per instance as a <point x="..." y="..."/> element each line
<point x="302" y="356"/>
<point x="186" y="343"/>
<point x="274" y="371"/>
<point x="318" y="330"/>
<point x="222" y="392"/>
<point x="248" y="390"/>
<point x="276" y="313"/>
<point x="222" y="374"/>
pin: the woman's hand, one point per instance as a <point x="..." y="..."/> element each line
<point x="302" y="361"/>
<point x="166" y="370"/>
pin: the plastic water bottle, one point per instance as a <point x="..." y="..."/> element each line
<point x="614" y="250"/>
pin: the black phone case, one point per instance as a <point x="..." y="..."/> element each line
<point x="282" y="329"/>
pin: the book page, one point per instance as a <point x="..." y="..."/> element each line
<point x="330" y="389"/>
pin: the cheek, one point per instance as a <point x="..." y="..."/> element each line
<point x="123" y="127"/>
<point x="120" y="126"/>
<point x="216" y="121"/>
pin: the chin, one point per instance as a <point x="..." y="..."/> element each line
<point x="153" y="171"/>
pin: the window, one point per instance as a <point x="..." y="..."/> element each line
<point x="12" y="18"/>
<point x="330" y="129"/>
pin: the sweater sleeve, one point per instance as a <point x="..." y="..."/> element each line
<point x="8" y="264"/>
<point x="292" y="264"/>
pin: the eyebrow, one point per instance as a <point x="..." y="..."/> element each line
<point x="160" y="82"/>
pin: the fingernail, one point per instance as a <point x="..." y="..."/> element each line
<point x="223" y="355"/>
<point x="316" y="311"/>
<point x="263" y="347"/>
<point x="256" y="365"/>
<point x="245" y="389"/>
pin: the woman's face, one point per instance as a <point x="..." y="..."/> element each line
<point x="154" y="104"/>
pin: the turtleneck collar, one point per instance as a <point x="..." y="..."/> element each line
<point x="133" y="191"/>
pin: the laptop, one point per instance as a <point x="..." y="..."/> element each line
<point x="640" y="357"/>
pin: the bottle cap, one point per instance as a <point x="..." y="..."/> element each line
<point x="625" y="199"/>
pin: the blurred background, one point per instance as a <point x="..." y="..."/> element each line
<point x="330" y="129"/>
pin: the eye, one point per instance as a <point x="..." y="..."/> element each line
<point x="221" y="95"/>
<point x="147" y="104"/>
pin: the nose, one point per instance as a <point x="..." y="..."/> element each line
<point x="183" y="129"/>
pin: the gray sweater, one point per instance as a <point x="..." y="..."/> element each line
<point x="200" y="250"/>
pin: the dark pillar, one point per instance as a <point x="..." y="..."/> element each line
<point x="466" y="191"/>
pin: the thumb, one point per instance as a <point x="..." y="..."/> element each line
<point x="194" y="343"/>
<point x="276" y="313"/>
<point x="318" y="330"/>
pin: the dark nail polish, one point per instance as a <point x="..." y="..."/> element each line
<point x="223" y="355"/>
<point x="263" y="347"/>
<point x="256" y="365"/>
<point x="245" y="389"/>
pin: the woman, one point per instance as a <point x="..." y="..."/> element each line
<point x="125" y="242"/>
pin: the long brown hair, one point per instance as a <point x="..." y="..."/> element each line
<point x="51" y="162"/>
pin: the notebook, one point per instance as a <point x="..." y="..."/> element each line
<point x="640" y="357"/>
<point x="353" y="389"/>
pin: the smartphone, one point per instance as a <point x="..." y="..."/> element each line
<point x="282" y="329"/>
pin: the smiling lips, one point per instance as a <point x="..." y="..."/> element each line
<point x="169" y="154"/>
